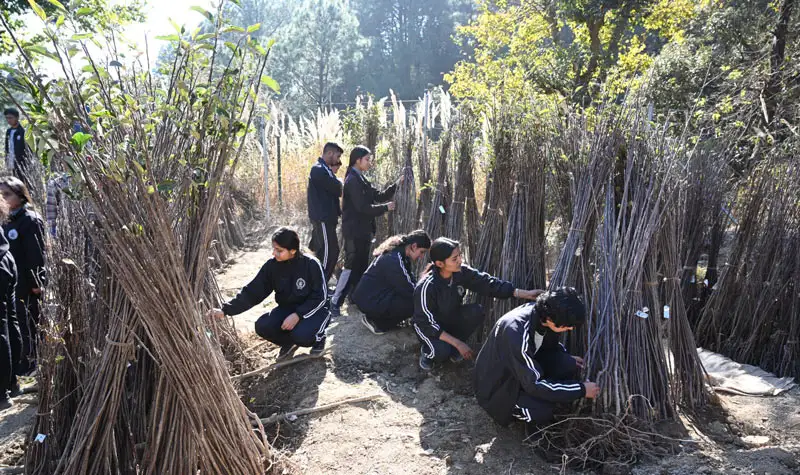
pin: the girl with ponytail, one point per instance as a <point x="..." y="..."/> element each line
<point x="361" y="204"/>
<point x="386" y="291"/>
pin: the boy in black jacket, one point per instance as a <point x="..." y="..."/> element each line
<point x="324" y="191"/>
<point x="16" y="152"/>
<point x="442" y="322"/>
<point x="522" y="371"/>
<point x="361" y="204"/>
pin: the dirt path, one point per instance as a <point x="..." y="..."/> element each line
<point x="431" y="424"/>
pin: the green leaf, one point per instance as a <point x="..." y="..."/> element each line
<point x="204" y="36"/>
<point x="233" y="29"/>
<point x="270" y="43"/>
<point x="57" y="4"/>
<point x="253" y="28"/>
<point x="172" y="37"/>
<point x="83" y="11"/>
<point x="271" y="83"/>
<point x="39" y="49"/>
<point x="79" y="139"/>
<point x="37" y="9"/>
<point x="167" y="185"/>
<point x="60" y="21"/>
<point x="232" y="46"/>
<point x="81" y="36"/>
<point x="203" y="12"/>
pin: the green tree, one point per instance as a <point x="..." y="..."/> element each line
<point x="411" y="44"/>
<point x="315" y="51"/>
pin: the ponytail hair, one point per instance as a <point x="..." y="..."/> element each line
<point x="418" y="237"/>
<point x="358" y="152"/>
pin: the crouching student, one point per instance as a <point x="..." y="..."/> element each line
<point x="386" y="291"/>
<point x="442" y="322"/>
<point x="298" y="280"/>
<point x="522" y="371"/>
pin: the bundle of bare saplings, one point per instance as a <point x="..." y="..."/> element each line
<point x="132" y="376"/>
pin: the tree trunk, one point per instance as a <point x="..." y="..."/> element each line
<point x="776" y="61"/>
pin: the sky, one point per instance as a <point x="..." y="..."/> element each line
<point x="158" y="14"/>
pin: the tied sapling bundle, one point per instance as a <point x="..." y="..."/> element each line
<point x="152" y="158"/>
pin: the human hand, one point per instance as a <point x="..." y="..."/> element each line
<point x="579" y="361"/>
<point x="215" y="313"/>
<point x="465" y="351"/>
<point x="529" y="294"/>
<point x="592" y="389"/>
<point x="290" y="322"/>
<point x="391" y="205"/>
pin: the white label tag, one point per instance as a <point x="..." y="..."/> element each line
<point x="666" y="312"/>
<point x="40" y="438"/>
<point x="642" y="313"/>
<point x="441" y="209"/>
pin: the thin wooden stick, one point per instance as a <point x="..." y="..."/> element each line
<point x="280" y="364"/>
<point x="312" y="410"/>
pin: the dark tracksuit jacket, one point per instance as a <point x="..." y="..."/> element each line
<point x="20" y="150"/>
<point x="360" y="205"/>
<point x="298" y="285"/>
<point x="387" y="287"/>
<point x="438" y="302"/>
<point x="324" y="209"/>
<point x="506" y="368"/>
<point x="8" y="284"/>
<point x="25" y="234"/>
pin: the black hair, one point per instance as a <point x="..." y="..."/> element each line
<point x="332" y="147"/>
<point x="442" y="248"/>
<point x="17" y="187"/>
<point x="287" y="238"/>
<point x="11" y="111"/>
<point x="562" y="306"/>
<point x="418" y="237"/>
<point x="358" y="152"/>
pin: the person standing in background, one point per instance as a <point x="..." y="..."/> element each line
<point x="324" y="191"/>
<point x="15" y="149"/>
<point x="25" y="233"/>
<point x="361" y="204"/>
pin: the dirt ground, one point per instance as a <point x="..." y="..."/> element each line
<point x="429" y="424"/>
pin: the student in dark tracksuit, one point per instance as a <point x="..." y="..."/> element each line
<point x="386" y="291"/>
<point x="522" y="371"/>
<point x="16" y="151"/>
<point x="302" y="315"/>
<point x="442" y="322"/>
<point x="25" y="234"/>
<point x="8" y="283"/>
<point x="362" y="202"/>
<point x="324" y="191"/>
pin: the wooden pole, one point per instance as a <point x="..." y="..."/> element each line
<point x="280" y="184"/>
<point x="265" y="142"/>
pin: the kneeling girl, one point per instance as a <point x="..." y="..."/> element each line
<point x="442" y="322"/>
<point x="386" y="291"/>
<point x="298" y="280"/>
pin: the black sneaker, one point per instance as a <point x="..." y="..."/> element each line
<point x="6" y="403"/>
<point x="456" y="358"/>
<point x="286" y="352"/>
<point x="318" y="348"/>
<point x="424" y="362"/>
<point x="371" y="326"/>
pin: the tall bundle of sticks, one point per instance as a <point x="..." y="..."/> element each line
<point x="630" y="172"/>
<point x="752" y="315"/>
<point x="435" y="224"/>
<point x="158" y="395"/>
<point x="533" y="168"/>
<point x="404" y="217"/>
<point x="462" y="182"/>
<point x="514" y="266"/>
